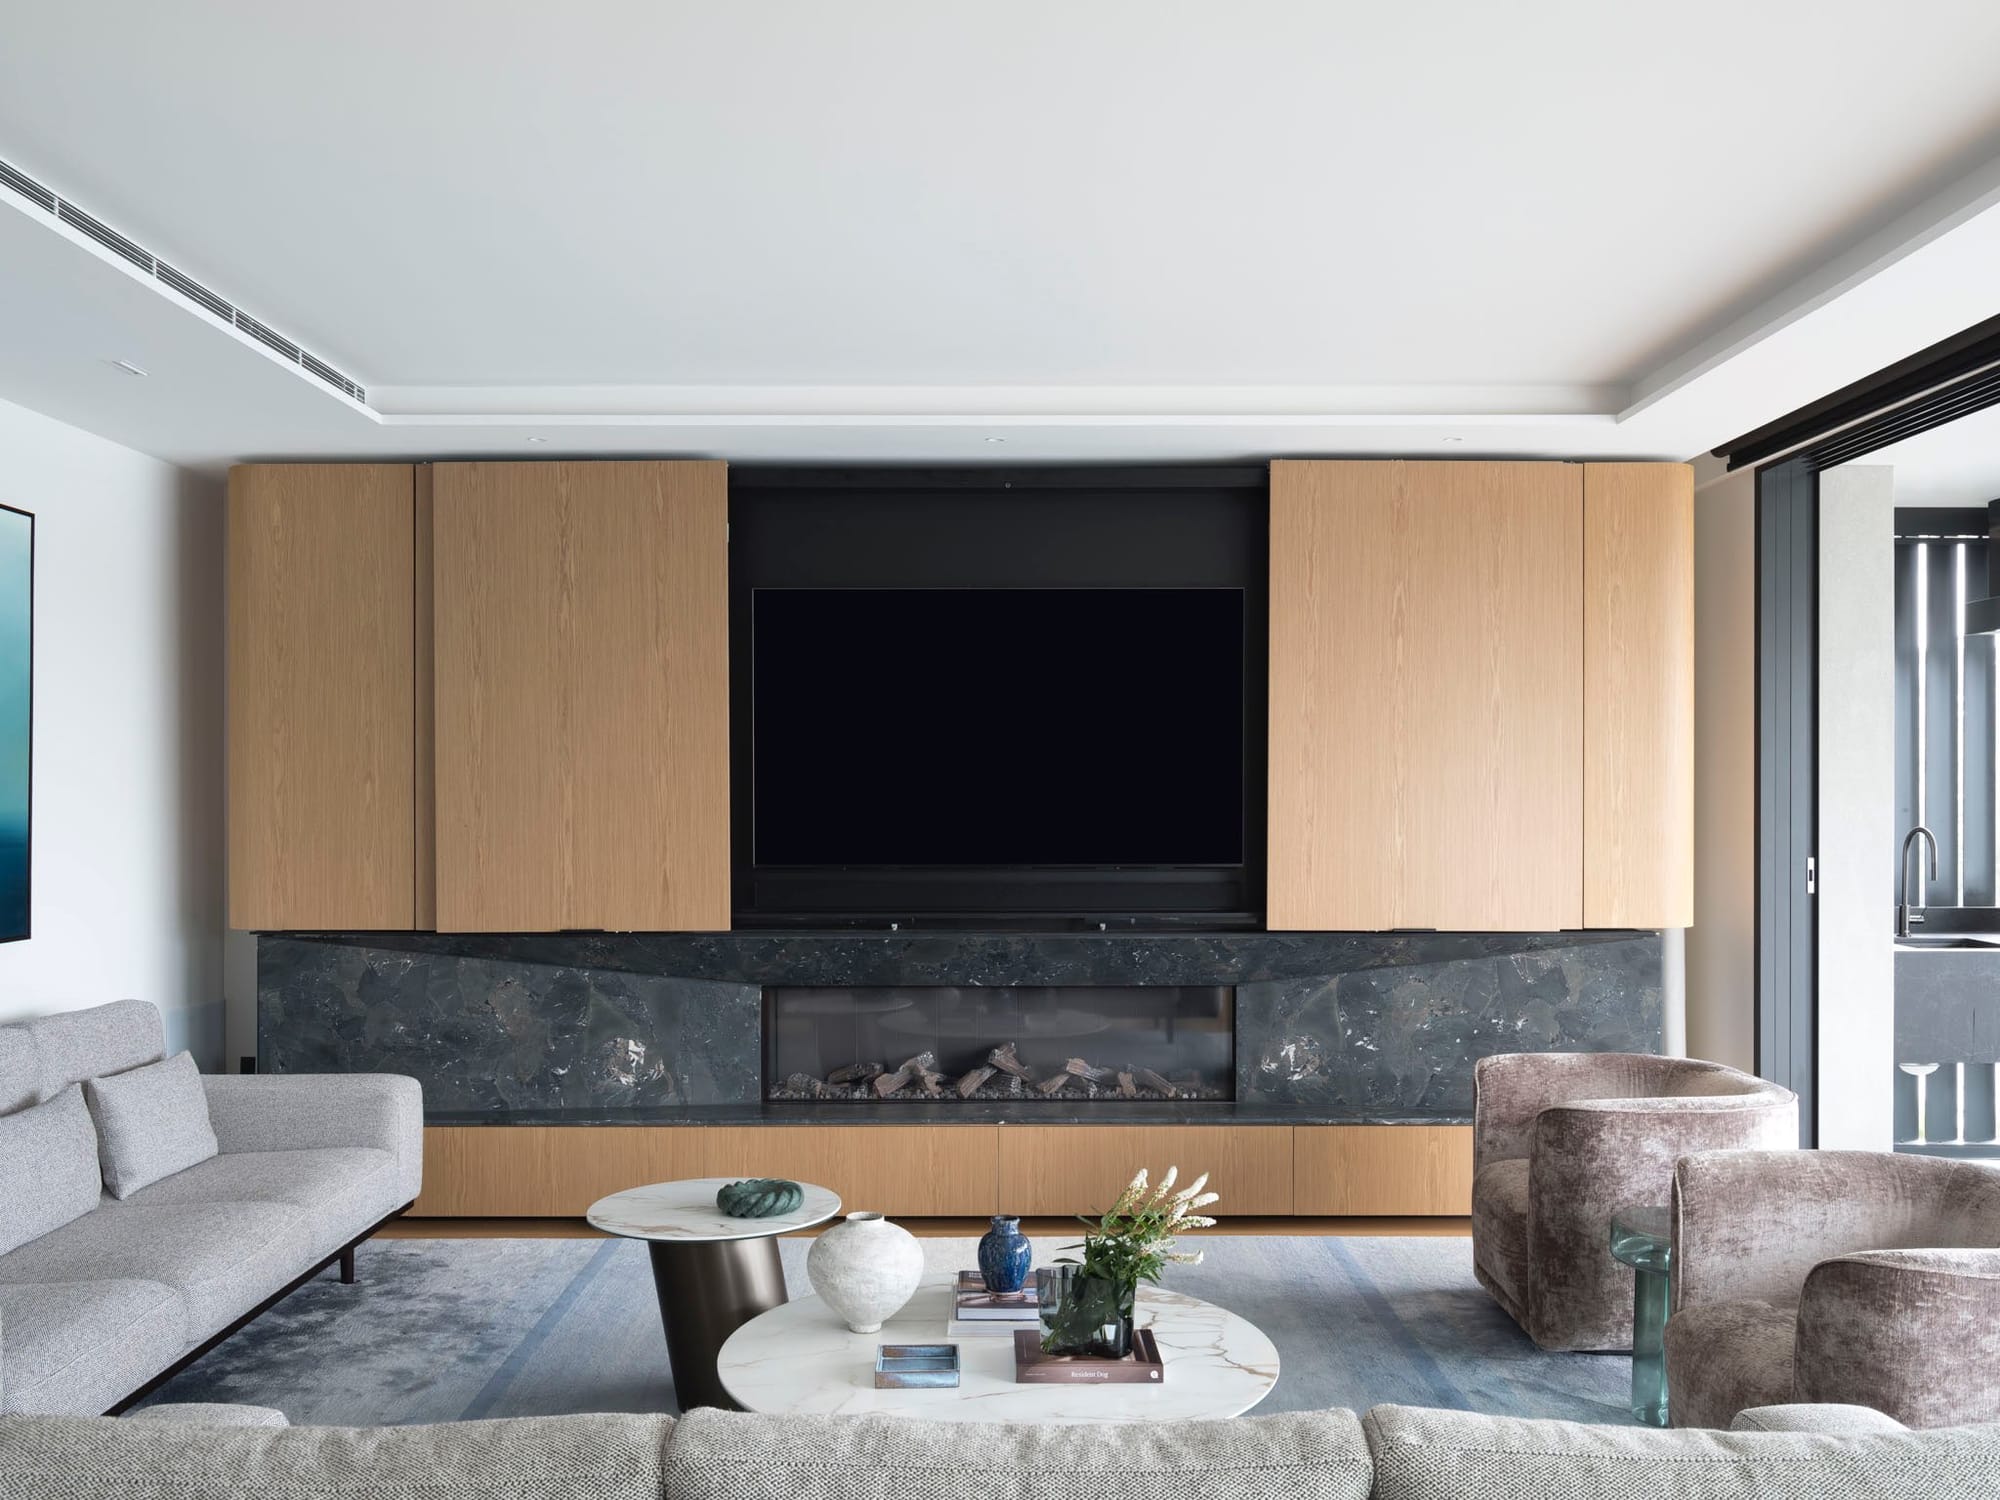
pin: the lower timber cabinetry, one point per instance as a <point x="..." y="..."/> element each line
<point x="916" y="1171"/>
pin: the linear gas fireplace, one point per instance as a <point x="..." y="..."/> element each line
<point x="1062" y="1044"/>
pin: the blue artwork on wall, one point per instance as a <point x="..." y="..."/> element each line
<point x="17" y="700"/>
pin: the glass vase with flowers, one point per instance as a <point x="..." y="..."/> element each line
<point x="1086" y="1304"/>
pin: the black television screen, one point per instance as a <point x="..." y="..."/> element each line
<point x="997" y="727"/>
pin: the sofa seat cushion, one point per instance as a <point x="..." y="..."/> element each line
<point x="1726" y="1357"/>
<point x="1303" y="1456"/>
<point x="1500" y="1224"/>
<point x="341" y="1191"/>
<point x="48" y="1168"/>
<point x="1445" y="1455"/>
<point x="516" y="1458"/>
<point x="79" y="1346"/>
<point x="224" y="1258"/>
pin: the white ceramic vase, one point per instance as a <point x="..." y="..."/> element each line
<point x="865" y="1269"/>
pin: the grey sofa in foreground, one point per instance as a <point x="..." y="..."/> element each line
<point x="1564" y="1140"/>
<point x="1857" y="1276"/>
<point x="99" y="1306"/>
<point x="1395" y="1453"/>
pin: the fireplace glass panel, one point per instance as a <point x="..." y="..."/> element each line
<point x="1118" y="1044"/>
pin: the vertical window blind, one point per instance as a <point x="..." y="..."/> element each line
<point x="1945" y="718"/>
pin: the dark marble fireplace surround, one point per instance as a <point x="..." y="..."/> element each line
<point x="666" y="1028"/>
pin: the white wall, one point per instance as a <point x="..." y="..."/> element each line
<point x="1721" y="952"/>
<point x="1857" y="779"/>
<point x="127" y="732"/>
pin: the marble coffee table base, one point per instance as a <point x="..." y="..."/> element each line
<point x="707" y="1290"/>
<point x="711" y="1273"/>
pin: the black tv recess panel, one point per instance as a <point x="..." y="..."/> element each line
<point x="1029" y="697"/>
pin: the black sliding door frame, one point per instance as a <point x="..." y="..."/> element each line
<point x="1935" y="386"/>
<point x="1787" y="782"/>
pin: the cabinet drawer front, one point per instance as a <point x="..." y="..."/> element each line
<point x="1384" y="1169"/>
<point x="1080" y="1169"/>
<point x="558" y="1171"/>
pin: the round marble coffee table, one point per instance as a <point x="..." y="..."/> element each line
<point x="712" y="1273"/>
<point x="800" y="1358"/>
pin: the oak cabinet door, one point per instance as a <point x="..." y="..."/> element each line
<point x="1426" y="713"/>
<point x="1638" y="695"/>
<point x="321" y="697"/>
<point x="582" y="690"/>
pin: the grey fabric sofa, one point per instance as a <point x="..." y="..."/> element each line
<point x="1395" y="1453"/>
<point x="1564" y="1140"/>
<point x="1846" y="1276"/>
<point x="97" y="1308"/>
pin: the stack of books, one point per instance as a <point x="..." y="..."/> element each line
<point x="978" y="1313"/>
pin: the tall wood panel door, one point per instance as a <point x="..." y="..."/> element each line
<point x="323" y="797"/>
<point x="1426" y="711"/>
<point x="582" y="694"/>
<point x="1638" y="696"/>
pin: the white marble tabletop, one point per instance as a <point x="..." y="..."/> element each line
<point x="799" y="1357"/>
<point x="686" y="1211"/>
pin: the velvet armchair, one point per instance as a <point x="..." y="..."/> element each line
<point x="1564" y="1140"/>
<point x="1860" y="1277"/>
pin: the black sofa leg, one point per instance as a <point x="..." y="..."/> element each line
<point x="347" y="1266"/>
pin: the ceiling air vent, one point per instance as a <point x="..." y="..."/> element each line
<point x="27" y="187"/>
<point x="179" y="282"/>
<point x="194" y="291"/>
<point x="105" y="235"/>
<point x="266" y="336"/>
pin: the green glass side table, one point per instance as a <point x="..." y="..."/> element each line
<point x="1643" y="1238"/>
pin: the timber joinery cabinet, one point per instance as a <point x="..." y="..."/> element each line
<point x="582" y="688"/>
<point x="479" y="697"/>
<point x="1481" y="695"/>
<point x="324" y="807"/>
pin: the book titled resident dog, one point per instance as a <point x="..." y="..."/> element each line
<point x="1033" y="1367"/>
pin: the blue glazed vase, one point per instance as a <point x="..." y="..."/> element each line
<point x="1005" y="1255"/>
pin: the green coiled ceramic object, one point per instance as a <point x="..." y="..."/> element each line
<point x="760" y="1198"/>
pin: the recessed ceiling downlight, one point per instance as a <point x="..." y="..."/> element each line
<point x="127" y="366"/>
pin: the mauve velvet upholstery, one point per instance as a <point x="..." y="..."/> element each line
<point x="1862" y="1277"/>
<point x="1564" y="1140"/>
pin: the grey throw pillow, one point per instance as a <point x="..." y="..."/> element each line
<point x="48" y="1168"/>
<point x="151" y="1123"/>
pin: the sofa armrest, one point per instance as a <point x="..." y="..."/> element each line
<point x="1914" y="1333"/>
<point x="1510" y="1089"/>
<point x="1828" y="1420"/>
<point x="1753" y="1224"/>
<point x="1593" y="1158"/>
<point x="307" y="1111"/>
<point x="211" y="1414"/>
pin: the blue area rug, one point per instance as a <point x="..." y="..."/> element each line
<point x="444" y="1330"/>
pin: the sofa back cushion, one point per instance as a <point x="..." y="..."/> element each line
<point x="82" y="1044"/>
<point x="1441" y="1455"/>
<point x="20" y="1070"/>
<point x="151" y="1123"/>
<point x="1305" y="1456"/>
<point x="516" y="1458"/>
<point x="48" y="1169"/>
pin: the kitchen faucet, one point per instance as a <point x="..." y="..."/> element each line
<point x="1906" y="915"/>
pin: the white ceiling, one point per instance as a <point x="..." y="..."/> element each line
<point x="892" y="228"/>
